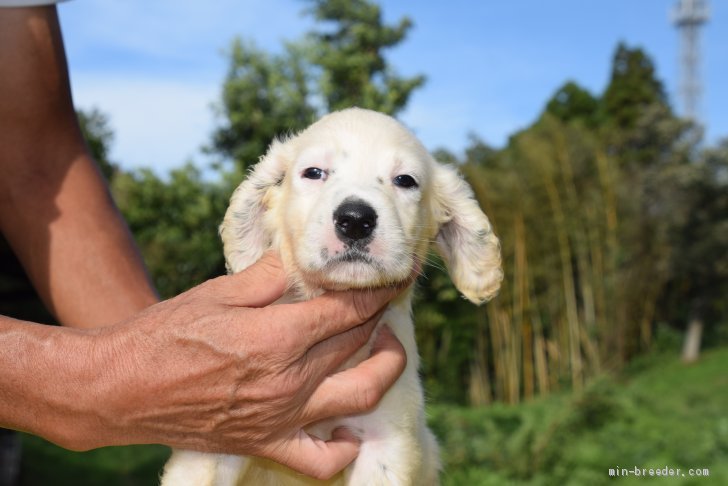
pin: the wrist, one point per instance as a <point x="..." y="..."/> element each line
<point x="39" y="386"/>
<point x="87" y="415"/>
<point x="78" y="389"/>
<point x="66" y="403"/>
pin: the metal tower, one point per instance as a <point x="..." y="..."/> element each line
<point x="689" y="16"/>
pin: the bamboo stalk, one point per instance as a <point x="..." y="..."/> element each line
<point x="567" y="275"/>
<point x="540" y="354"/>
<point x="514" y="358"/>
<point x="495" y="342"/>
<point x="555" y="360"/>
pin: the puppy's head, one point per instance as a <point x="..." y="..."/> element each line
<point x="352" y="202"/>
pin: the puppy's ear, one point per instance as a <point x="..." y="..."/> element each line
<point x="243" y="231"/>
<point x="465" y="238"/>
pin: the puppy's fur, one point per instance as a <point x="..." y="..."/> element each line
<point x="292" y="202"/>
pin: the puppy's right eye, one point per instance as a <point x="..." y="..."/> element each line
<point x="314" y="173"/>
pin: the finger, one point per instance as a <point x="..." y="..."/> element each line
<point x="359" y="389"/>
<point x="326" y="356"/>
<point x="315" y="457"/>
<point x="335" y="312"/>
<point x="259" y="285"/>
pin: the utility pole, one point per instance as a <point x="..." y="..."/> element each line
<point x="689" y="16"/>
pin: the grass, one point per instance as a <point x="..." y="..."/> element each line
<point x="659" y="413"/>
<point x="46" y="464"/>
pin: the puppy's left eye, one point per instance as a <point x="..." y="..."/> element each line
<point x="314" y="173"/>
<point x="405" y="181"/>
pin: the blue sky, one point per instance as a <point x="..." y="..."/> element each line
<point x="156" y="67"/>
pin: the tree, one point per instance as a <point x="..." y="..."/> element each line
<point x="348" y="49"/>
<point x="607" y="226"/>
<point x="633" y="86"/>
<point x="263" y="96"/>
<point x="338" y="65"/>
<point x="175" y="223"/>
<point x="571" y="102"/>
<point x="698" y="197"/>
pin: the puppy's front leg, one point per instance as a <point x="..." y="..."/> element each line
<point x="190" y="468"/>
<point x="397" y="448"/>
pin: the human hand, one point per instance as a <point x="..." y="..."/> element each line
<point x="218" y="369"/>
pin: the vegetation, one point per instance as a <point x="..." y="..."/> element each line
<point x="657" y="414"/>
<point x="598" y="206"/>
<point x="613" y="219"/>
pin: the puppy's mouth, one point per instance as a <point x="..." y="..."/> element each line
<point x="351" y="255"/>
<point x="353" y="267"/>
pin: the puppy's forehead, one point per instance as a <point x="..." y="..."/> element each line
<point x="359" y="138"/>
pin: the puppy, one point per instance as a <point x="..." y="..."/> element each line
<point x="354" y="201"/>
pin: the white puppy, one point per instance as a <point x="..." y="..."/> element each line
<point x="352" y="202"/>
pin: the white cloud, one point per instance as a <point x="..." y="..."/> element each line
<point x="158" y="123"/>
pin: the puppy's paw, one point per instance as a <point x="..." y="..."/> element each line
<point x="388" y="462"/>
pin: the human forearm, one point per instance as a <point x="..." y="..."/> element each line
<point x="55" y="209"/>
<point x="41" y="389"/>
<point x="77" y="250"/>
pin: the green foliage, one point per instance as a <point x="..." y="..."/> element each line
<point x="348" y="49"/>
<point x="573" y="103"/>
<point x="697" y="194"/>
<point x="632" y="88"/>
<point x="611" y="219"/>
<point x="46" y="464"/>
<point x="338" y="65"/>
<point x="175" y="224"/>
<point x="263" y="96"/>
<point x="445" y="335"/>
<point x="574" y="440"/>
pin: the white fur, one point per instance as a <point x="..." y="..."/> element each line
<point x="275" y="207"/>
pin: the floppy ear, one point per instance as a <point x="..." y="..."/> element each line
<point x="465" y="238"/>
<point x="243" y="231"/>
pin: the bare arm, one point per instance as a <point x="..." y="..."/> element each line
<point x="55" y="209"/>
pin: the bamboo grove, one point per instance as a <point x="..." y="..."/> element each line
<point x="593" y="204"/>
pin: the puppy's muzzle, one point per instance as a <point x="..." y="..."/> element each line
<point x="354" y="221"/>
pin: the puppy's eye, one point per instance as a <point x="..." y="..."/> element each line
<point x="405" y="181"/>
<point x="314" y="173"/>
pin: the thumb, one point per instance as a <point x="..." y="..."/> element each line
<point x="315" y="457"/>
<point x="259" y="285"/>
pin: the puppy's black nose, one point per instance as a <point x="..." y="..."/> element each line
<point x="354" y="220"/>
